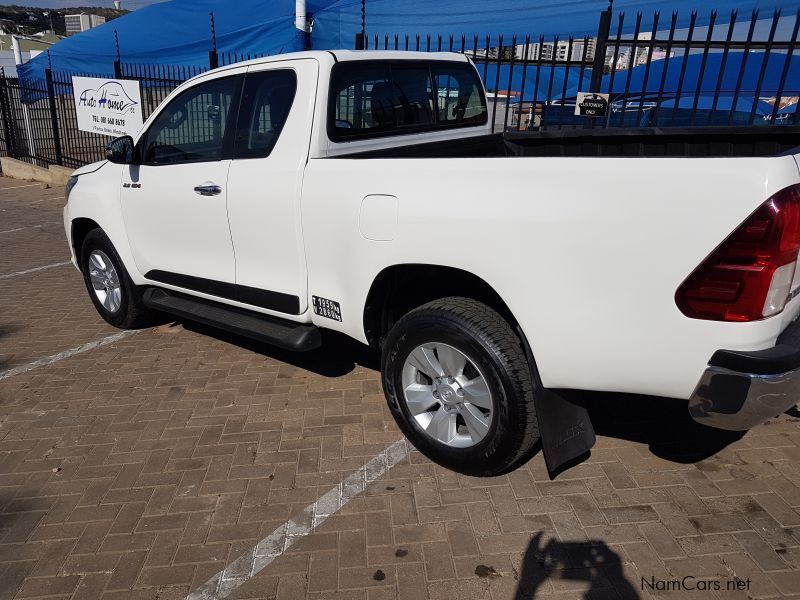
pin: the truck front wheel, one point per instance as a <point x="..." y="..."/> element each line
<point x="459" y="386"/>
<point x="113" y="293"/>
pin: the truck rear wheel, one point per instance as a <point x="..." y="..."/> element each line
<point x="459" y="386"/>
<point x="113" y="293"/>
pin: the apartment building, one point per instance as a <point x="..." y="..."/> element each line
<point x="580" y="49"/>
<point x="82" y="22"/>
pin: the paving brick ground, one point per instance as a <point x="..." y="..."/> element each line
<point x="142" y="468"/>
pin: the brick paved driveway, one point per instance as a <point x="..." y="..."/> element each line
<point x="143" y="467"/>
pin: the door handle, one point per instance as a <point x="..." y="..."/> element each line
<point x="208" y="189"/>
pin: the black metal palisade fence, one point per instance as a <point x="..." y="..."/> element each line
<point x="732" y="71"/>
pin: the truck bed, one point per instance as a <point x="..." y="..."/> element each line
<point x="696" y="142"/>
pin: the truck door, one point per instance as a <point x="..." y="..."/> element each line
<point x="265" y="182"/>
<point x="174" y="203"/>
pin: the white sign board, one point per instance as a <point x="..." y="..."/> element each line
<point x="108" y="106"/>
<point x="590" y="104"/>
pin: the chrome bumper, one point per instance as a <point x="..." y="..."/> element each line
<point x="738" y="401"/>
<point x="740" y="390"/>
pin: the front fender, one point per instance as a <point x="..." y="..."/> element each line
<point x="96" y="196"/>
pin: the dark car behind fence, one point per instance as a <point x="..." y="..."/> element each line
<point x="732" y="70"/>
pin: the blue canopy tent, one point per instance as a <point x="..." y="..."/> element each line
<point x="743" y="104"/>
<point x="179" y="31"/>
<point x="176" y="32"/>
<point x="541" y="89"/>
<point x="710" y="73"/>
<point x="336" y="25"/>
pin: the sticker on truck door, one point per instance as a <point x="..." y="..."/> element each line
<point x="329" y="309"/>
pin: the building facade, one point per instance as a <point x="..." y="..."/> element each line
<point x="578" y="50"/>
<point x="81" y="22"/>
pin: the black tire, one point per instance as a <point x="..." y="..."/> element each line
<point x="131" y="314"/>
<point x="488" y="340"/>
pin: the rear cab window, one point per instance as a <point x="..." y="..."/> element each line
<point x="379" y="98"/>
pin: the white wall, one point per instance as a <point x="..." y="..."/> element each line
<point x="7" y="61"/>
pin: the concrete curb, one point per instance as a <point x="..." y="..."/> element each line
<point x="55" y="176"/>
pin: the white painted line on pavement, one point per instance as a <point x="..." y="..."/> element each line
<point x="34" y="270"/>
<point x="44" y="200"/>
<point x="16" y="187"/>
<point x="49" y="360"/>
<point x="27" y="202"/>
<point x="42" y="226"/>
<point x="279" y="541"/>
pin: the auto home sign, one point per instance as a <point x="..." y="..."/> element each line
<point x="108" y="106"/>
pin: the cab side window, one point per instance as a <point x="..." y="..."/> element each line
<point x="266" y="101"/>
<point x="192" y="127"/>
<point x="460" y="100"/>
<point x="413" y="94"/>
<point x="364" y="99"/>
<point x="376" y="98"/>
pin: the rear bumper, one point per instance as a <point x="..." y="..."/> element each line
<point x="740" y="390"/>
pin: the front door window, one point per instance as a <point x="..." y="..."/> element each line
<point x="193" y="126"/>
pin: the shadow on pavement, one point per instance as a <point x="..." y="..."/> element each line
<point x="4" y="331"/>
<point x="663" y="424"/>
<point x="591" y="561"/>
<point x="337" y="356"/>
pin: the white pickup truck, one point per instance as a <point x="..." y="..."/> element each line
<point x="362" y="192"/>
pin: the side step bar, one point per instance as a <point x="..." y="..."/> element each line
<point x="283" y="334"/>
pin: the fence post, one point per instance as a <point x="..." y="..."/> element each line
<point x="51" y="98"/>
<point x="117" y="59"/>
<point x="5" y="112"/>
<point x="603" y="33"/>
<point x="359" y="41"/>
<point x="213" y="57"/>
<point x="363" y="33"/>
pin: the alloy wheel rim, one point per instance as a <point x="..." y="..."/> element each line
<point x="447" y="395"/>
<point x="105" y="281"/>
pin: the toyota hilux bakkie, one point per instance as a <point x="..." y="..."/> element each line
<point x="363" y="192"/>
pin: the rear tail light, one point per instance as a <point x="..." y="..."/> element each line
<point x="748" y="276"/>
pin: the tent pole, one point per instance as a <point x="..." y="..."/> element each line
<point x="301" y="23"/>
<point x="300" y="15"/>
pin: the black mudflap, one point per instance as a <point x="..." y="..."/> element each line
<point x="567" y="433"/>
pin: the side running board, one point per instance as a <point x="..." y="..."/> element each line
<point x="283" y="334"/>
